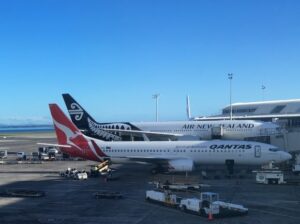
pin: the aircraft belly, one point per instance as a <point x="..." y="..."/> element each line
<point x="120" y="160"/>
<point x="220" y="159"/>
<point x="209" y="159"/>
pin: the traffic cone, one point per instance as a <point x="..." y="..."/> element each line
<point x="210" y="216"/>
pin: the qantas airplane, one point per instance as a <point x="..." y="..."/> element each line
<point x="170" y="130"/>
<point x="177" y="156"/>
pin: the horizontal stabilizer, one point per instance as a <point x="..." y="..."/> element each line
<point x="54" y="145"/>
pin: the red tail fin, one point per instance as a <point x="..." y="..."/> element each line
<point x="64" y="128"/>
<point x="60" y="117"/>
<point x="68" y="134"/>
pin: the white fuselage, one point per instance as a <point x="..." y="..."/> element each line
<point x="203" y="130"/>
<point x="233" y="130"/>
<point x="200" y="152"/>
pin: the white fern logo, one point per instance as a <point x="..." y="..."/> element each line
<point x="77" y="111"/>
<point x="97" y="129"/>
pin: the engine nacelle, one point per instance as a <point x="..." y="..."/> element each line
<point x="181" y="165"/>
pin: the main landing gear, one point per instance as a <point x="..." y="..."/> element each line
<point x="229" y="164"/>
<point x="158" y="169"/>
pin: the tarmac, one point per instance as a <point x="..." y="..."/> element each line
<point x="72" y="201"/>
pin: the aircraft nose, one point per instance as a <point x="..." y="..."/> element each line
<point x="286" y="156"/>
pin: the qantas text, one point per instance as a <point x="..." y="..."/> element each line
<point x="230" y="147"/>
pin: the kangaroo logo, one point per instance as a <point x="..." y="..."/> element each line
<point x="77" y="141"/>
<point x="77" y="111"/>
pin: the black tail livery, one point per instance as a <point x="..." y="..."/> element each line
<point x="89" y="126"/>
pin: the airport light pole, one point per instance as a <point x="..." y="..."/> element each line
<point x="156" y="96"/>
<point x="230" y="76"/>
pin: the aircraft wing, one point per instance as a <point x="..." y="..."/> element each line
<point x="148" y="133"/>
<point x="54" y="145"/>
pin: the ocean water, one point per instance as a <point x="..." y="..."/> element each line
<point x="21" y="129"/>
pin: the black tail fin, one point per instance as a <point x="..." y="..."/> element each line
<point x="78" y="115"/>
<point x="85" y="122"/>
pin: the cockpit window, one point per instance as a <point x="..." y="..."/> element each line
<point x="273" y="149"/>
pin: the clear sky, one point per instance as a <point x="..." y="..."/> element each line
<point x="113" y="55"/>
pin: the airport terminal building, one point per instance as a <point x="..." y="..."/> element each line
<point x="286" y="113"/>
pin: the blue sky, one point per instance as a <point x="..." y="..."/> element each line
<point x="113" y="55"/>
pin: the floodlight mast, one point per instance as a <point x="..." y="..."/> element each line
<point x="156" y="97"/>
<point x="230" y="76"/>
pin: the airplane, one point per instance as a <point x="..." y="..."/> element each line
<point x="173" y="156"/>
<point x="169" y="130"/>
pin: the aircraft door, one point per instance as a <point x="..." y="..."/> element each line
<point x="257" y="151"/>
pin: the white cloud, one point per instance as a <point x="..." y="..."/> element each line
<point x="25" y="121"/>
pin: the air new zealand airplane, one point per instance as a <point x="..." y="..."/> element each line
<point x="170" y="130"/>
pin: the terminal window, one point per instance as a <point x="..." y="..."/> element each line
<point x="278" y="109"/>
<point x="240" y="110"/>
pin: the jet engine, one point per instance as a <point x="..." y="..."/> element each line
<point x="180" y="165"/>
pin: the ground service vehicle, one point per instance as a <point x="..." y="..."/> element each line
<point x="209" y="204"/>
<point x="163" y="197"/>
<point x="296" y="169"/>
<point x="80" y="175"/>
<point x="21" y="156"/>
<point x="3" y="154"/>
<point x="270" y="177"/>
